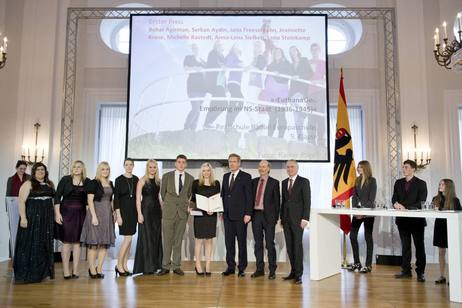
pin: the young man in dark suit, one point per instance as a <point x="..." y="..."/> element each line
<point x="295" y="214"/>
<point x="266" y="196"/>
<point x="237" y="204"/>
<point x="408" y="194"/>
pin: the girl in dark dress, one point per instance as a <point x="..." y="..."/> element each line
<point x="70" y="211"/>
<point x="125" y="208"/>
<point x="148" y="257"/>
<point x="33" y="256"/>
<point x="298" y="91"/>
<point x="205" y="226"/>
<point x="277" y="91"/>
<point x="445" y="200"/>
<point x="98" y="228"/>
<point x="195" y="86"/>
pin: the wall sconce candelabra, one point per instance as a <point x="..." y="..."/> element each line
<point x="449" y="54"/>
<point x="3" y="51"/>
<point x="36" y="150"/>
<point x="425" y="157"/>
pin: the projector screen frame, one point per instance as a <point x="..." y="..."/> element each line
<point x="223" y="161"/>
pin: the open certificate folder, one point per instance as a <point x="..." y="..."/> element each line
<point x="211" y="204"/>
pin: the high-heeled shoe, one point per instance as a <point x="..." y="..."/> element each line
<point x="92" y="276"/>
<point x="128" y="272"/>
<point x="198" y="273"/>
<point x="68" y="277"/>
<point x="441" y="280"/>
<point x="99" y="275"/>
<point x="117" y="272"/>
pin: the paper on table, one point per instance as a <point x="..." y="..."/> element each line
<point x="211" y="204"/>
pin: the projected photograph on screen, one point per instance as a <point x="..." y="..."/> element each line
<point x="207" y="86"/>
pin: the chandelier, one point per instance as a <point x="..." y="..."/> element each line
<point x="449" y="53"/>
<point x="35" y="157"/>
<point x="3" y="51"/>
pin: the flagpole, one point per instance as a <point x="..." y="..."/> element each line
<point x="344" y="262"/>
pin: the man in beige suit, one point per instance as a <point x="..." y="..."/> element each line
<point x="175" y="191"/>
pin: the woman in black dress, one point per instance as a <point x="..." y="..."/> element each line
<point x="445" y="200"/>
<point x="205" y="226"/>
<point x="33" y="256"/>
<point x="148" y="257"/>
<point x="298" y="91"/>
<point x="125" y="208"/>
<point x="70" y="211"/>
<point x="195" y="86"/>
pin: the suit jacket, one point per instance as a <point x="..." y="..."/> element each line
<point x="411" y="200"/>
<point x="174" y="203"/>
<point x="297" y="206"/>
<point x="365" y="194"/>
<point x="237" y="202"/>
<point x="271" y="199"/>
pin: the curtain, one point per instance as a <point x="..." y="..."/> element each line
<point x="111" y="137"/>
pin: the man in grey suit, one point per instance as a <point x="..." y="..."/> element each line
<point x="175" y="191"/>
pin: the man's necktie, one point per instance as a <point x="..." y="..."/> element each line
<point x="232" y="181"/>
<point x="259" y="193"/>
<point x="290" y="186"/>
<point x="180" y="185"/>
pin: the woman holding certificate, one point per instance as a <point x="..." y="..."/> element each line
<point x="205" y="226"/>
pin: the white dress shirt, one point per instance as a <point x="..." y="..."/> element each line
<point x="235" y="176"/>
<point x="177" y="181"/>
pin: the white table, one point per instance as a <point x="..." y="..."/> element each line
<point x="12" y="207"/>
<point x="325" y="248"/>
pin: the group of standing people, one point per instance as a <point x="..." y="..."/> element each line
<point x="409" y="193"/>
<point x="81" y="211"/>
<point x="276" y="88"/>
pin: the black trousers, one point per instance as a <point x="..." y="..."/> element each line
<point x="368" y="227"/>
<point x="259" y="227"/>
<point x="236" y="229"/>
<point x="417" y="234"/>
<point x="234" y="107"/>
<point x="294" y="236"/>
<point x="221" y="105"/>
<point x="277" y="119"/>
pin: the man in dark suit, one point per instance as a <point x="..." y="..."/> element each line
<point x="237" y="204"/>
<point x="408" y="194"/>
<point x="266" y="196"/>
<point x="295" y="214"/>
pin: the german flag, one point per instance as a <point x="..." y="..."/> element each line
<point x="344" y="165"/>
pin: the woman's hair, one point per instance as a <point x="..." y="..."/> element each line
<point x="367" y="172"/>
<point x="299" y="54"/>
<point x="21" y="163"/>
<point x="34" y="182"/>
<point x="201" y="177"/>
<point x="84" y="170"/>
<point x="98" y="175"/>
<point x="449" y="195"/>
<point x="156" y="175"/>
